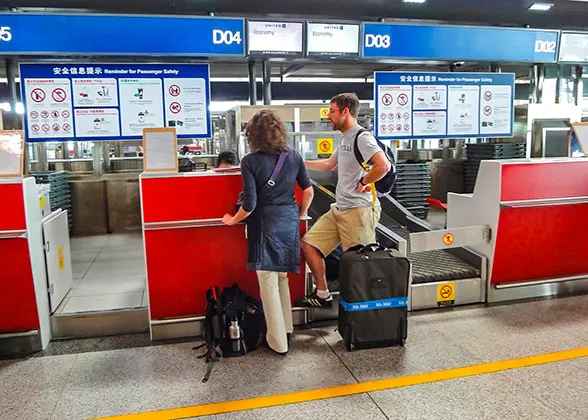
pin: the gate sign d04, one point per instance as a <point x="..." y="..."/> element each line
<point x="106" y="35"/>
<point x="443" y="105"/>
<point x="114" y="102"/>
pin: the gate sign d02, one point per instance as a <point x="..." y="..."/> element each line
<point x="443" y="105"/>
<point x="115" y="101"/>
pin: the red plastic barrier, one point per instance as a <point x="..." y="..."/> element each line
<point x="535" y="181"/>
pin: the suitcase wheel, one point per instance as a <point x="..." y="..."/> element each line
<point x="402" y="341"/>
<point x="349" y="338"/>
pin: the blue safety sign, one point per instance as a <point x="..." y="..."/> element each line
<point x="443" y="105"/>
<point x="90" y="101"/>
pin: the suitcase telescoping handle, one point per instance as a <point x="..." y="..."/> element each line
<point x="371" y="248"/>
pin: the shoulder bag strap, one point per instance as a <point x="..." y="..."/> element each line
<point x="272" y="181"/>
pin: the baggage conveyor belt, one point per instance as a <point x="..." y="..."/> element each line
<point x="427" y="267"/>
<point x="431" y="266"/>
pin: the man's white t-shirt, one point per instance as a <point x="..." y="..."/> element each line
<point x="350" y="171"/>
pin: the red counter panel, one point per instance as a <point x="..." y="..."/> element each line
<point x="183" y="263"/>
<point x="535" y="243"/>
<point x="536" y="181"/>
<point x="189" y="198"/>
<point x="18" y="307"/>
<point x="12" y="217"/>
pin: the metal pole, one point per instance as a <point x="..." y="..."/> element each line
<point x="533" y="85"/>
<point x="558" y="85"/>
<point x="267" y="86"/>
<point x="12" y="95"/>
<point x="577" y="94"/>
<point x="540" y="80"/>
<point x="252" y="83"/>
<point x="98" y="152"/>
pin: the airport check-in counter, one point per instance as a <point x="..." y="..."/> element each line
<point x="536" y="211"/>
<point x="188" y="249"/>
<point x="24" y="304"/>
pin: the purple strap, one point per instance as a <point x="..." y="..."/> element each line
<point x="278" y="168"/>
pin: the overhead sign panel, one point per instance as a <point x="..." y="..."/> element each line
<point x="443" y="105"/>
<point x="428" y="42"/>
<point x="114" y="101"/>
<point x="275" y="38"/>
<point x="573" y="48"/>
<point x="120" y="35"/>
<point x="332" y="39"/>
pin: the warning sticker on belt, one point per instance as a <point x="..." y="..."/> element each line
<point x="446" y="294"/>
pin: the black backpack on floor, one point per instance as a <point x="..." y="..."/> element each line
<point x="221" y="308"/>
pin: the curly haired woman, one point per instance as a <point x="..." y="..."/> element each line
<point x="272" y="219"/>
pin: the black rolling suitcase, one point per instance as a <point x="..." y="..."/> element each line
<point x="373" y="297"/>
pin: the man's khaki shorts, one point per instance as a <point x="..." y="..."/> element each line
<point x="346" y="227"/>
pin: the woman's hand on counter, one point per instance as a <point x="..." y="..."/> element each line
<point x="229" y="220"/>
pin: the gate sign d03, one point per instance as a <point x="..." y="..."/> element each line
<point x="445" y="42"/>
<point x="114" y="102"/>
<point x="443" y="105"/>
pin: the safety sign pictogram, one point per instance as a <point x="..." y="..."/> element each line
<point x="59" y="95"/>
<point x="448" y="239"/>
<point x="174" y="90"/>
<point x="487" y="110"/>
<point x="324" y="147"/>
<point x="446" y="294"/>
<point x="402" y="99"/>
<point x="387" y="99"/>
<point x="175" y="107"/>
<point x="38" y="95"/>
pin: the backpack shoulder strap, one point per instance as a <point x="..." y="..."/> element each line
<point x="356" y="148"/>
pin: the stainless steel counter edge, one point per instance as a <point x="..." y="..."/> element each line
<point x="189" y="224"/>
<point x="151" y="175"/>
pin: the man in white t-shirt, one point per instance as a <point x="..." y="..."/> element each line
<point x="352" y="219"/>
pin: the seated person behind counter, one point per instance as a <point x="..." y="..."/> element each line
<point x="227" y="159"/>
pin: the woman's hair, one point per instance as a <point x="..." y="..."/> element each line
<point x="267" y="133"/>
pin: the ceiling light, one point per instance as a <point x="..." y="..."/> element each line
<point x="541" y="6"/>
<point x="414" y="1"/>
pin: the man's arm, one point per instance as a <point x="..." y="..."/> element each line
<point x="322" y="164"/>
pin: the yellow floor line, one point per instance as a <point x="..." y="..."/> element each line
<point x="354" y="389"/>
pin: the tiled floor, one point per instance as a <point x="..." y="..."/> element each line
<point x="109" y="274"/>
<point x="94" y="380"/>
